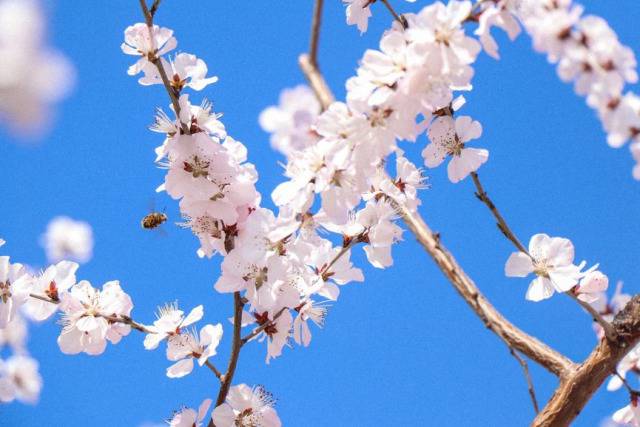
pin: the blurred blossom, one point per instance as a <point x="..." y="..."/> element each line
<point x="19" y="379"/>
<point x="33" y="76"/>
<point x="66" y="238"/>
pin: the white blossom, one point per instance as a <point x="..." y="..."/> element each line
<point x="186" y="346"/>
<point x="551" y="260"/>
<point x="169" y="322"/>
<point x="188" y="417"/>
<point x="247" y="407"/>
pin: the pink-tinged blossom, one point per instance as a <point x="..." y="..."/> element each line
<point x="19" y="379"/>
<point x="608" y="308"/>
<point x="358" y="13"/>
<point x="14" y="282"/>
<point x="290" y="122"/>
<point x="86" y="313"/>
<point x="437" y="36"/>
<point x="629" y="415"/>
<point x="184" y="70"/>
<point x="188" y="417"/>
<point x="139" y="41"/>
<point x="592" y="286"/>
<point x="68" y="239"/>
<point x="245" y="407"/>
<point x="52" y="283"/>
<point x="551" y="260"/>
<point x="170" y="321"/>
<point x="186" y="346"/>
<point x="449" y="138"/>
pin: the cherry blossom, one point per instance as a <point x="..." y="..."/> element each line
<point x="246" y="406"/>
<point x="629" y="415"/>
<point x="498" y="16"/>
<point x="592" y="286"/>
<point x="308" y="310"/>
<point x="187" y="346"/>
<point x="13" y="289"/>
<point x="551" y="260"/>
<point x="185" y="70"/>
<point x="630" y="362"/>
<point x="449" y="138"/>
<point x="86" y="319"/>
<point x="169" y="322"/>
<point x="188" y="417"/>
<point x="19" y="379"/>
<point x="147" y="43"/>
<point x="53" y="283"/>
<point x="68" y="239"/>
<point x="290" y="123"/>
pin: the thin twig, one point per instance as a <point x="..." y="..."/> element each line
<point x="214" y="370"/>
<point x="525" y="369"/>
<point x="401" y="19"/>
<point x="315" y="32"/>
<point x="173" y="94"/>
<point x="154" y="8"/>
<point x="481" y="194"/>
<point x="609" y="331"/>
<point x="236" y="345"/>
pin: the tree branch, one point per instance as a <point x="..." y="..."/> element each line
<point x="316" y="81"/>
<point x="493" y="320"/>
<point x="315" y="32"/>
<point x="236" y="345"/>
<point x="574" y="393"/>
<point x="502" y="224"/>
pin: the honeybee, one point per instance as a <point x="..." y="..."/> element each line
<point x="153" y="220"/>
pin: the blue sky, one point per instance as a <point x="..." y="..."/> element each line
<point x="400" y="349"/>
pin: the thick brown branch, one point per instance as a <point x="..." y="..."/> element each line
<point x="576" y="390"/>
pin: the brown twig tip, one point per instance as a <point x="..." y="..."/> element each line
<point x="525" y="370"/>
<point x="401" y="19"/>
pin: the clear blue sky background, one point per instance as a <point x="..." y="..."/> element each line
<point x="400" y="349"/>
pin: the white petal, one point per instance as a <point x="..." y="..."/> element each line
<point x="180" y="369"/>
<point x="518" y="265"/>
<point x="539" y="289"/>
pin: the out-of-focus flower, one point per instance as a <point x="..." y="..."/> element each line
<point x="66" y="238"/>
<point x="32" y="76"/>
<point x="19" y="379"/>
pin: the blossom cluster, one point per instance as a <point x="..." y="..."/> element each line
<point x="589" y="54"/>
<point x="90" y="318"/>
<point x="33" y="76"/>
